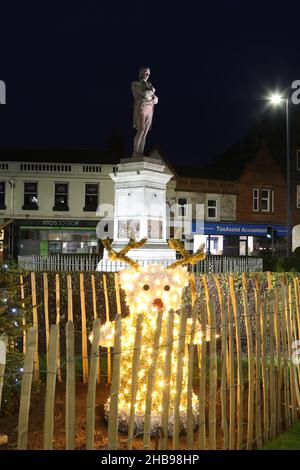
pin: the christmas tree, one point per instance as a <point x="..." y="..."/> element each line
<point x="15" y="311"/>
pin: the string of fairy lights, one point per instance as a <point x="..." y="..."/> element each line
<point x="149" y="290"/>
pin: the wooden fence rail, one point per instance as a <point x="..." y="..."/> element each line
<point x="243" y="374"/>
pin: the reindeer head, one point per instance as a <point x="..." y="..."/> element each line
<point x="154" y="287"/>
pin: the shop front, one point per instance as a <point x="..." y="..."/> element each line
<point x="238" y="239"/>
<point x="52" y="237"/>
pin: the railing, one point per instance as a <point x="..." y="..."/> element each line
<point x="228" y="264"/>
<point x="211" y="264"/>
<point x="81" y="262"/>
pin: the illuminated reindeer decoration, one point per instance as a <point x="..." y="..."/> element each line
<point x="151" y="289"/>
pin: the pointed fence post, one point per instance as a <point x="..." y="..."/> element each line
<point x="46" y="312"/>
<point x="134" y="375"/>
<point x="151" y="380"/>
<point x="70" y="386"/>
<point x="107" y="320"/>
<point x="115" y="386"/>
<point x="50" y="388"/>
<point x="202" y="378"/>
<point x="167" y="376"/>
<point x="250" y="421"/>
<point x="57" y="304"/>
<point x="85" y="364"/>
<point x="35" y="323"/>
<point x="240" y="419"/>
<point x="91" y="398"/>
<point x="3" y="346"/>
<point x="179" y="377"/>
<point x="26" y="389"/>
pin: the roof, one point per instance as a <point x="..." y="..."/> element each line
<point x="230" y="164"/>
<point x="58" y="155"/>
<point x="212" y="171"/>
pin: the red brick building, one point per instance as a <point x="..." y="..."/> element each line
<point x="249" y="171"/>
<point x="262" y="200"/>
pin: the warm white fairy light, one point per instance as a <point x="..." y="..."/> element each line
<point x="148" y="290"/>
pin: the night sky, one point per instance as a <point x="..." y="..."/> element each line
<point x="68" y="67"/>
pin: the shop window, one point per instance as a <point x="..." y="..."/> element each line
<point x="61" y="197"/>
<point x="265" y="200"/>
<point x="29" y="242"/>
<point x="2" y="195"/>
<point x="298" y="160"/>
<point x="256" y="199"/>
<point x="298" y="196"/>
<point x="30" y="196"/>
<point x="54" y="248"/>
<point x="79" y="242"/>
<point x="91" y="197"/>
<point x="215" y="245"/>
<point x="182" y="206"/>
<point x="29" y="234"/>
<point x="211" y="209"/>
<point x="243" y="246"/>
<point x="231" y="245"/>
<point x="259" y="245"/>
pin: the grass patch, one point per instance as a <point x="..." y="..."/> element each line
<point x="289" y="440"/>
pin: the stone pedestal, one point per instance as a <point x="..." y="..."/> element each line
<point x="140" y="212"/>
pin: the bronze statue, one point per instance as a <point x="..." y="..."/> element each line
<point x="144" y="102"/>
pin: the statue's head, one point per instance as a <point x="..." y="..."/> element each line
<point x="144" y="73"/>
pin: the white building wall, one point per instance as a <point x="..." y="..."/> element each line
<point x="14" y="178"/>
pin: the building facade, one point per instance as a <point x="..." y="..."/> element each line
<point x="56" y="200"/>
<point x="53" y="205"/>
<point x="244" y="208"/>
<point x="262" y="203"/>
<point x="206" y="205"/>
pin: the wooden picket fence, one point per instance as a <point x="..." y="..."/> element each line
<point x="246" y="381"/>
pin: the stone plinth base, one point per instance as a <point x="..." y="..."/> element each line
<point x="140" y="211"/>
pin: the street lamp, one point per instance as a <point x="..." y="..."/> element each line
<point x="276" y="99"/>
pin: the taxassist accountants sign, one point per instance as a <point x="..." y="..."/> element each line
<point x="221" y="228"/>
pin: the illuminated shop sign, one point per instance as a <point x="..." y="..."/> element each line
<point x="60" y="223"/>
<point x="220" y="228"/>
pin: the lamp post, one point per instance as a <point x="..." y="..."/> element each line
<point x="276" y="100"/>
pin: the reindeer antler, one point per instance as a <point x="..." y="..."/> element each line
<point x="121" y="255"/>
<point x="187" y="258"/>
